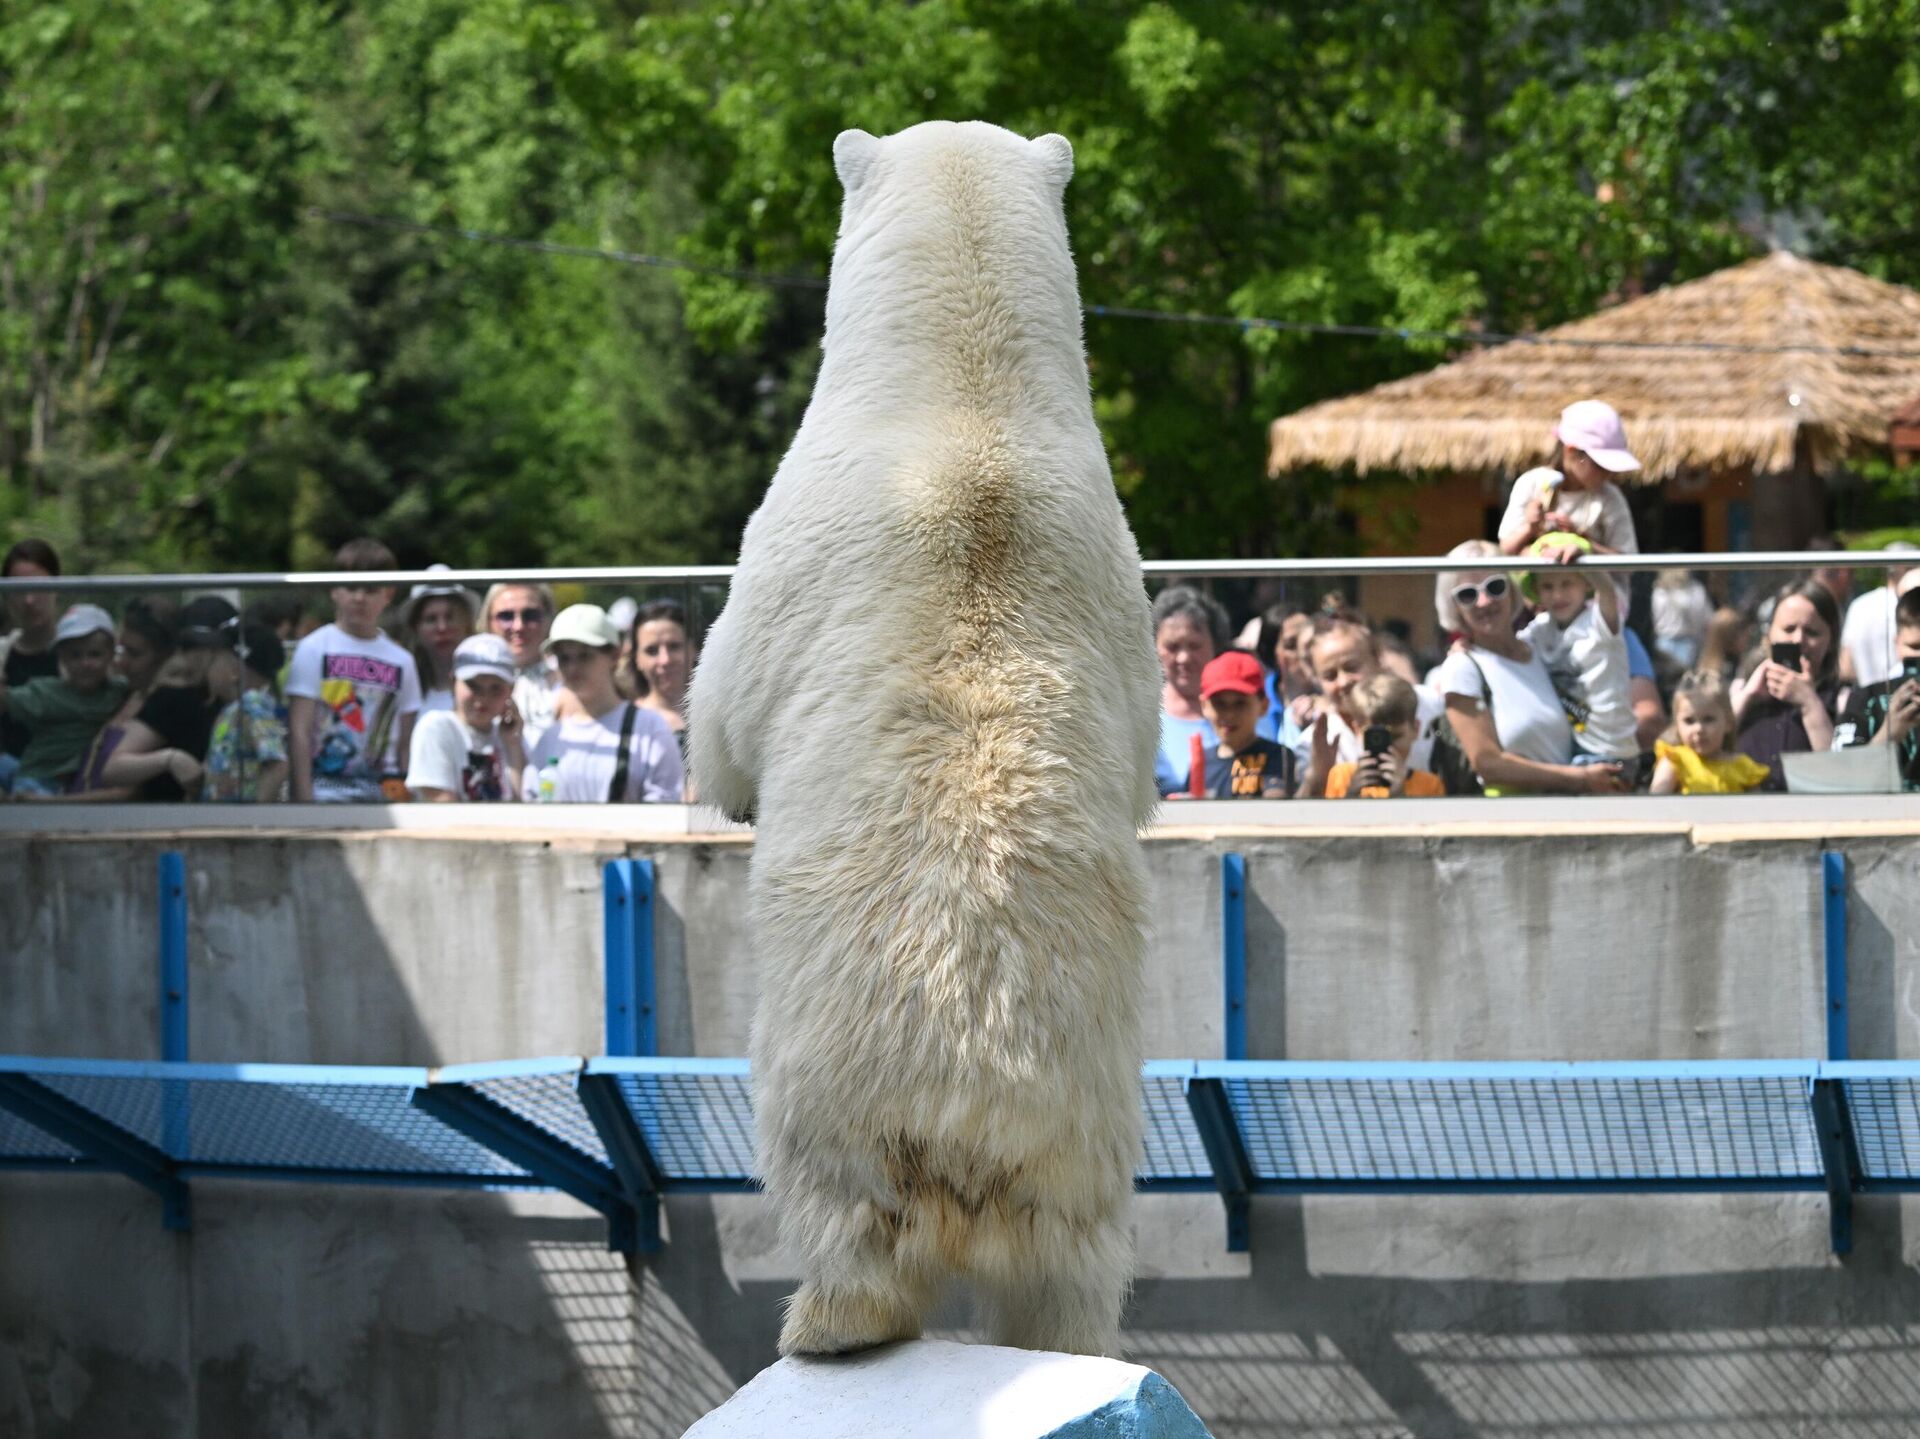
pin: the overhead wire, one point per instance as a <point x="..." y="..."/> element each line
<point x="1121" y="312"/>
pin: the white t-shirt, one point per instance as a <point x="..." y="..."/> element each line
<point x="441" y="699"/>
<point x="451" y="755"/>
<point x="1681" y="616"/>
<point x="1588" y="663"/>
<point x="536" y="689"/>
<point x="1601" y="515"/>
<point x="1527" y="714"/>
<point x="362" y="688"/>
<point x="1429" y="707"/>
<point x="589" y="751"/>
<point x="1867" y="635"/>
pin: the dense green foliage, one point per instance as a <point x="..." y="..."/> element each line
<point x="197" y="370"/>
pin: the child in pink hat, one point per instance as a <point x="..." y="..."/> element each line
<point x="1576" y="494"/>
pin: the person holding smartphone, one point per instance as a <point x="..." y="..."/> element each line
<point x="1889" y="712"/>
<point x="1389" y="710"/>
<point x="1787" y="703"/>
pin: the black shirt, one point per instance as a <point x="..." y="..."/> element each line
<point x="1862" y="719"/>
<point x="183" y="716"/>
<point x="1262" y="770"/>
<point x="1773" y="728"/>
<point x="22" y="668"/>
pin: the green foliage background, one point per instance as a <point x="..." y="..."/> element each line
<point x="196" y="371"/>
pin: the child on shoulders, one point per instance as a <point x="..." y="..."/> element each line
<point x="247" y="754"/>
<point x="1389" y="710"/>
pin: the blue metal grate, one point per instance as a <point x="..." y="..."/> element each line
<point x="23" y="1143"/>
<point x="550" y="1102"/>
<point x="1173" y="1151"/>
<point x="697" y="1126"/>
<point x="1886" y="1126"/>
<point x="1527" y="1130"/>
<point x="282" y="1124"/>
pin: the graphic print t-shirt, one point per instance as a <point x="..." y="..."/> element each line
<point x="1263" y="770"/>
<point x="449" y="755"/>
<point x="361" y="689"/>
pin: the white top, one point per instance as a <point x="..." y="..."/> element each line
<point x="1601" y="515"/>
<point x="589" y="751"/>
<point x="441" y="699"/>
<point x="1430" y="706"/>
<point x="1867" y="635"/>
<point x="1682" y="614"/>
<point x="362" y="688"/>
<point x="449" y="754"/>
<point x="535" y="690"/>
<point x="1588" y="663"/>
<point x="1527" y="714"/>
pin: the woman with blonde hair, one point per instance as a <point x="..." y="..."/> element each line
<point x="522" y="615"/>
<point x="1500" y="698"/>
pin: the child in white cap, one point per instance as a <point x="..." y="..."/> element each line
<point x="61" y="716"/>
<point x="472" y="752"/>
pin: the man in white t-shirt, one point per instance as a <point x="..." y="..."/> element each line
<point x="1579" y="635"/>
<point x="471" y="753"/>
<point x="352" y="694"/>
<point x="1866" y="635"/>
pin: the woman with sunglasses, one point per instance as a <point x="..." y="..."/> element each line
<point x="1500" y="698"/>
<point x="522" y="615"/>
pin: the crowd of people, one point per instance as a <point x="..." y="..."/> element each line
<point x="1543" y="686"/>
<point x="502" y="697"/>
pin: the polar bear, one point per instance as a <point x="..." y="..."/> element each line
<point x="933" y="687"/>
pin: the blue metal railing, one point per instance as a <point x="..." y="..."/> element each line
<point x="620" y="1132"/>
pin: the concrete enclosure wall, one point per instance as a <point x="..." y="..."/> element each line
<point x="319" y="1312"/>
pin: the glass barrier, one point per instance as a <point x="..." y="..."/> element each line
<point x="1463" y="676"/>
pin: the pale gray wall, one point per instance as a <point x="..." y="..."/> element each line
<point x="317" y="1312"/>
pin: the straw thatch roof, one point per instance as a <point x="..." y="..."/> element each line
<point x="1737" y="407"/>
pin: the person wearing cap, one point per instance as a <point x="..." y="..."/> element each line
<point x="602" y="749"/>
<point x="246" y="759"/>
<point x="472" y="753"/>
<point x="1576" y="494"/>
<point x="1240" y="764"/>
<point x="438" y="616"/>
<point x="61" y="715"/>
<point x="163" y="752"/>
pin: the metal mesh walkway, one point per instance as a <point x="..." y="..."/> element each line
<point x="619" y="1134"/>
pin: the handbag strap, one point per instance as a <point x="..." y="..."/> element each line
<point x="617" y="791"/>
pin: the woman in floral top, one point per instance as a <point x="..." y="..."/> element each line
<point x="247" y="756"/>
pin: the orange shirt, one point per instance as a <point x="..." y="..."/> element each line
<point x="1420" y="784"/>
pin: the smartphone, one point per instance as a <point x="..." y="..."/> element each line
<point x="1910" y="670"/>
<point x="1787" y="656"/>
<point x="1377" y="740"/>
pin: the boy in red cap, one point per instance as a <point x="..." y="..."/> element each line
<point x="1233" y="696"/>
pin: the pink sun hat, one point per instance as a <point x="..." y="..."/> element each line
<point x="1593" y="426"/>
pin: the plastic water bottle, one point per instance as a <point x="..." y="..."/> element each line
<point x="549" y="781"/>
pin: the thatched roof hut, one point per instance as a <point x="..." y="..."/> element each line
<point x="1753" y="405"/>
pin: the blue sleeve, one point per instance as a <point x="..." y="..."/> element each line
<point x="1639" y="662"/>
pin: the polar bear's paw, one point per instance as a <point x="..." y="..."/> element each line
<point x="842" y="1320"/>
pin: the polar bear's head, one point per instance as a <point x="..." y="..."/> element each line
<point x="942" y="217"/>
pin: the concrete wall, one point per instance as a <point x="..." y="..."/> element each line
<point x="318" y="1312"/>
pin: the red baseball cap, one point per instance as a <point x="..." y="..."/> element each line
<point x="1235" y="671"/>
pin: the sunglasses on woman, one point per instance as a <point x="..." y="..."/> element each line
<point x="525" y="617"/>
<point x="1467" y="595"/>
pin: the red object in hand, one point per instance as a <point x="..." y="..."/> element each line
<point x="1197" y="766"/>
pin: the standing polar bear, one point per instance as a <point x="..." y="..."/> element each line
<point x="934" y="689"/>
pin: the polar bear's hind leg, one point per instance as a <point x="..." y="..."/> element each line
<point x="860" y="1289"/>
<point x="1064" y="1292"/>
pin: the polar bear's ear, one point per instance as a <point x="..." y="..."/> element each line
<point x="1056" y="157"/>
<point x="854" y="152"/>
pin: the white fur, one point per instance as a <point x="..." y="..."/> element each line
<point x="934" y="688"/>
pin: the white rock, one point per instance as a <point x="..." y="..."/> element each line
<point x="932" y="1389"/>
